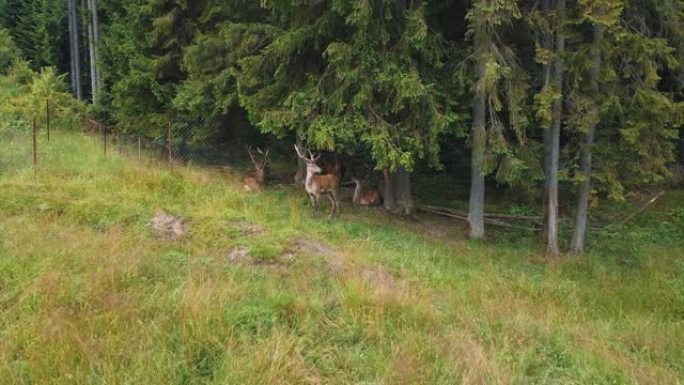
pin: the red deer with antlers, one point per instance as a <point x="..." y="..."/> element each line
<point x="255" y="179"/>
<point x="317" y="185"/>
<point x="365" y="197"/>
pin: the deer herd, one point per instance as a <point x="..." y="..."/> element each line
<point x="321" y="180"/>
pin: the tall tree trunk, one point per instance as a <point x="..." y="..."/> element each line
<point x="402" y="189"/>
<point x="72" y="51"/>
<point x="547" y="44"/>
<point x="300" y="175"/>
<point x="91" y="54"/>
<point x="478" y="141"/>
<point x="74" y="48"/>
<point x="387" y="190"/>
<point x="579" y="232"/>
<point x="554" y="143"/>
<point x="96" y="37"/>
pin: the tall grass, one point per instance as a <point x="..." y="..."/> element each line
<point x="89" y="295"/>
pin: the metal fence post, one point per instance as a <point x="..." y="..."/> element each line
<point x="35" y="147"/>
<point x="47" y="118"/>
<point x="170" y="144"/>
<point x="104" y="138"/>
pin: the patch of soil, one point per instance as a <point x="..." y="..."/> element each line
<point x="241" y="255"/>
<point x="308" y="246"/>
<point x="247" y="228"/>
<point x="167" y="226"/>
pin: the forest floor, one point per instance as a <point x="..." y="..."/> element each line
<point x="230" y="287"/>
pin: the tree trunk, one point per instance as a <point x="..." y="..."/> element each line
<point x="546" y="44"/>
<point x="91" y="53"/>
<point x="402" y="190"/>
<point x="72" y="51"/>
<point x="554" y="140"/>
<point x="388" y="191"/>
<point x="300" y="175"/>
<point x="96" y="36"/>
<point x="74" y="48"/>
<point x="478" y="141"/>
<point x="579" y="232"/>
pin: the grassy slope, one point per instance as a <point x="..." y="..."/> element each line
<point x="89" y="295"/>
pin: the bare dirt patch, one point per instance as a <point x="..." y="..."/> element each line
<point x="308" y="246"/>
<point x="247" y="227"/>
<point x="241" y="255"/>
<point x="167" y="226"/>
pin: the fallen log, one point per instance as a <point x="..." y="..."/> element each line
<point x="641" y="209"/>
<point x="536" y="219"/>
<point x="489" y="221"/>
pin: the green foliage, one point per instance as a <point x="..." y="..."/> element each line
<point x="637" y="121"/>
<point x="29" y="96"/>
<point x="504" y="83"/>
<point x="8" y="50"/>
<point x="39" y="29"/>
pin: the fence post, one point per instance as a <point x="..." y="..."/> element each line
<point x="47" y="117"/>
<point x="104" y="138"/>
<point x="35" y="147"/>
<point x="170" y="145"/>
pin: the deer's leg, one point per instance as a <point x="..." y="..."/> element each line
<point x="335" y="201"/>
<point x="316" y="198"/>
<point x="332" y="203"/>
<point x="312" y="199"/>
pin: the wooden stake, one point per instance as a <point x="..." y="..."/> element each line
<point x="170" y="145"/>
<point x="35" y="146"/>
<point x="47" y="117"/>
<point x="104" y="138"/>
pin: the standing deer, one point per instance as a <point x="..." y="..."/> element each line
<point x="317" y="185"/>
<point x="255" y="179"/>
<point x="368" y="197"/>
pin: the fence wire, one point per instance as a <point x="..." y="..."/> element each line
<point x="194" y="142"/>
<point x="16" y="138"/>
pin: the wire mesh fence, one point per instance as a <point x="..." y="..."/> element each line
<point x="17" y="153"/>
<point x="186" y="142"/>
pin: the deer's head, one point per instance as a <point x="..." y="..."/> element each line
<point x="259" y="167"/>
<point x="311" y="166"/>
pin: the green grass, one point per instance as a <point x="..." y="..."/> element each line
<point x="88" y="295"/>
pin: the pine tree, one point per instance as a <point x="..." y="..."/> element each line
<point x="496" y="73"/>
<point x="629" y="124"/>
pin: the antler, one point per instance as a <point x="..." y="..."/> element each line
<point x="265" y="156"/>
<point x="311" y="157"/>
<point x="300" y="154"/>
<point x="249" y="151"/>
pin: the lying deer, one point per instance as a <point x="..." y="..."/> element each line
<point x="317" y="185"/>
<point x="368" y="197"/>
<point x="255" y="179"/>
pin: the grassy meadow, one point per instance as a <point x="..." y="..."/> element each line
<point x="89" y="295"/>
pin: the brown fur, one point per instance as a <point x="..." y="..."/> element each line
<point x="317" y="185"/>
<point x="365" y="197"/>
<point x="255" y="180"/>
